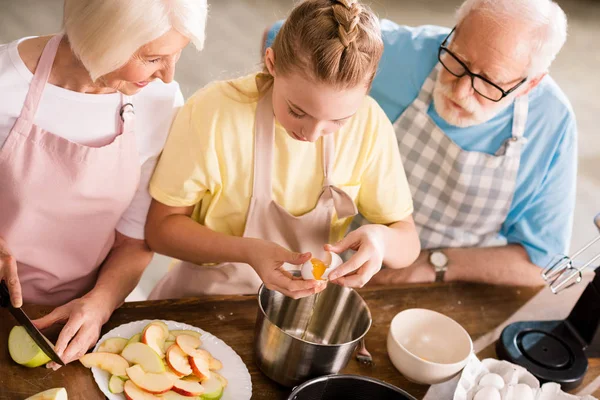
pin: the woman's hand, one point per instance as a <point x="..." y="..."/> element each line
<point x="8" y="273"/>
<point x="267" y="259"/>
<point x="83" y="319"/>
<point x="368" y="242"/>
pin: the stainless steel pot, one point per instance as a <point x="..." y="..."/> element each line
<point x="348" y="387"/>
<point x="296" y="340"/>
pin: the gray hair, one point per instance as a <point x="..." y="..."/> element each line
<point x="104" y="34"/>
<point x="547" y="20"/>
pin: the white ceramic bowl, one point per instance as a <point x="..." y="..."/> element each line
<point x="427" y="347"/>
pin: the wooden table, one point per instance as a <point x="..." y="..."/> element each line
<point x="478" y="308"/>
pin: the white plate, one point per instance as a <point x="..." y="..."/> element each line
<point x="234" y="369"/>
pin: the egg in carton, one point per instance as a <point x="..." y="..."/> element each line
<point x="491" y="379"/>
<point x="495" y="380"/>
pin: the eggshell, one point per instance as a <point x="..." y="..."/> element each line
<point x="487" y="393"/>
<point x="493" y="380"/>
<point x="333" y="261"/>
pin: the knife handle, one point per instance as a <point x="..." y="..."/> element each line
<point x="4" y="295"/>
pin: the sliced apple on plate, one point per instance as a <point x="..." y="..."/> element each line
<point x="155" y="337"/>
<point x="168" y="344"/>
<point x="134" y="339"/>
<point x="149" y="382"/>
<point x="178" y="361"/>
<point x="115" y="384"/>
<point x="187" y="388"/>
<point x="113" y="345"/>
<point x="213" y="389"/>
<point x="51" y="394"/>
<point x="221" y="378"/>
<point x="23" y="350"/>
<point x="171" y="395"/>
<point x="146" y="357"/>
<point x="214" y="364"/>
<point x="200" y="367"/>
<point x="175" y="333"/>
<point x="133" y="392"/>
<point x="113" y="363"/>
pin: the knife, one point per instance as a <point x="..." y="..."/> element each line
<point x="30" y="328"/>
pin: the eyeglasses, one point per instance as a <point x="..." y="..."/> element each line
<point x="481" y="85"/>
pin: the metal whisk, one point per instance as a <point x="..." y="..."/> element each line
<point x="562" y="274"/>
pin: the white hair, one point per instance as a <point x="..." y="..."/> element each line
<point x="104" y="34"/>
<point x="547" y="21"/>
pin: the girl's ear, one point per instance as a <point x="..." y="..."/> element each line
<point x="270" y="61"/>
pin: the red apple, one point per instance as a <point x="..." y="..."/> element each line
<point x="132" y="392"/>
<point x="200" y="367"/>
<point x="188" y="388"/>
<point x="178" y="361"/>
<point x="155" y="337"/>
<point x="149" y="382"/>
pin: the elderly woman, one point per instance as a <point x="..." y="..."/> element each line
<point x="83" y="117"/>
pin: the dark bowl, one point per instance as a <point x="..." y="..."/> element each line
<point x="348" y="387"/>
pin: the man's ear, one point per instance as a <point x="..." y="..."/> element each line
<point x="533" y="83"/>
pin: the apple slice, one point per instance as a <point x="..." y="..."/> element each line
<point x="199" y="367"/>
<point x="140" y="353"/>
<point x="164" y="327"/>
<point x="171" y="395"/>
<point x="115" y="384"/>
<point x="133" y="392"/>
<point x="23" y="350"/>
<point x="178" y="361"/>
<point x="187" y="388"/>
<point x="186" y="340"/>
<point x="149" y="382"/>
<point x="221" y="378"/>
<point x="155" y="337"/>
<point x="113" y="345"/>
<point x="213" y="389"/>
<point x="51" y="394"/>
<point x="176" y="333"/>
<point x="214" y="364"/>
<point x="168" y="344"/>
<point x="134" y="339"/>
<point x="113" y="363"/>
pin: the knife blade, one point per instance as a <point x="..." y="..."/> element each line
<point x="29" y="327"/>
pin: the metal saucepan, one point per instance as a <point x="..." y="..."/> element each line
<point x="296" y="340"/>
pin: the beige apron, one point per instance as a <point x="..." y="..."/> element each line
<point x="266" y="220"/>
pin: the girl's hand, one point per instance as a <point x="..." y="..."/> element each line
<point x="367" y="241"/>
<point x="268" y="258"/>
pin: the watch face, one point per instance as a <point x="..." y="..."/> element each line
<point x="438" y="259"/>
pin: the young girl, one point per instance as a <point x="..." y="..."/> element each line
<point x="266" y="169"/>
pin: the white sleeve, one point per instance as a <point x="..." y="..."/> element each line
<point x="133" y="220"/>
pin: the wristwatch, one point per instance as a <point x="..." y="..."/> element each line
<point x="439" y="262"/>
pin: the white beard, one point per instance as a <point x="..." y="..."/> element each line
<point x="476" y="114"/>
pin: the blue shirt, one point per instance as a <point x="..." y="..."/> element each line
<point x="541" y="213"/>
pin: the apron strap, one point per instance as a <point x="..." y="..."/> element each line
<point x="264" y="138"/>
<point x="425" y="96"/>
<point x="520" y="110"/>
<point x="343" y="203"/>
<point x="40" y="78"/>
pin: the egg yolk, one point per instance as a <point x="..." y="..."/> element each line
<point x="319" y="268"/>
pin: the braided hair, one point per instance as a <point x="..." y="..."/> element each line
<point x="337" y="42"/>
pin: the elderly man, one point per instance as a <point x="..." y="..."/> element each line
<point x="487" y="138"/>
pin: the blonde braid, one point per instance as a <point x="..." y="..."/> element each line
<point x="347" y="15"/>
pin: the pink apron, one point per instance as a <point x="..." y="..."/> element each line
<point x="266" y="220"/>
<point x="60" y="201"/>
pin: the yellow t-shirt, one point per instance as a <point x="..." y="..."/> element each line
<point x="208" y="162"/>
